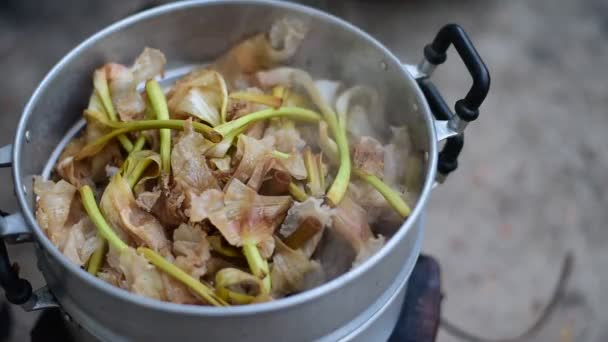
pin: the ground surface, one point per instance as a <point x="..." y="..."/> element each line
<point x="532" y="182"/>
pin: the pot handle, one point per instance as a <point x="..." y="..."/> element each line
<point x="450" y="126"/>
<point x="13" y="229"/>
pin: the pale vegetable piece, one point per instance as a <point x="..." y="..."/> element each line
<point x="110" y="276"/>
<point x="191" y="250"/>
<point x="81" y="242"/>
<point x="249" y="152"/>
<point x="148" y="199"/>
<point x="196" y="286"/>
<point x="200" y="206"/>
<point x="177" y="292"/>
<point x="92" y="169"/>
<point x="123" y="81"/>
<point x="191" y="174"/>
<point x="222" y="164"/>
<point x="169" y="206"/>
<point x="189" y="165"/>
<point x="354" y="107"/>
<point x="201" y="94"/>
<point x="197" y="105"/>
<point x="53" y="208"/>
<point x="64" y="221"/>
<point x="294" y="164"/>
<point x="140" y="277"/>
<point x="248" y="218"/>
<point x="239" y="106"/>
<point x="298" y="212"/>
<point x="262" y="51"/>
<point x="77" y="172"/>
<point x="297" y="218"/>
<point x="126" y="99"/>
<point x="287" y="139"/>
<point x="350" y="222"/>
<point x="292" y="271"/>
<point x="149" y="64"/>
<point x="368" y="156"/>
<point x="128" y="220"/>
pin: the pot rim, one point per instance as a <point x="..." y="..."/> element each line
<point x="198" y="310"/>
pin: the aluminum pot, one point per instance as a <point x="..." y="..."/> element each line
<point x="362" y="304"/>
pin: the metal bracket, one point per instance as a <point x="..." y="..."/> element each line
<point x="444" y="130"/>
<point x="41" y="299"/>
<point x="6" y="155"/>
<point x="14" y="229"/>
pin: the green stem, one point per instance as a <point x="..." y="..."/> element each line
<point x="338" y="188"/>
<point x="158" y="102"/>
<point x="392" y="197"/>
<point x="313" y="170"/>
<point x="266" y="283"/>
<point x="139" y="170"/>
<point x="100" y="83"/>
<point x="199" y="288"/>
<point x="139" y="144"/>
<point x="297" y="193"/>
<point x="97" y="258"/>
<point x="258" y="265"/>
<point x="143" y="125"/>
<point x="103" y="228"/>
<point x="280" y="155"/>
<point x="296" y="113"/>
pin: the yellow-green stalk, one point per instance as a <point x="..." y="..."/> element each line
<point x="199" y="288"/>
<point x="257" y="264"/>
<point x="143" y="125"/>
<point x="100" y="83"/>
<point x="157" y="99"/>
<point x="96" y="259"/>
<point x="297" y="193"/>
<point x="391" y="196"/>
<point x="139" y="144"/>
<point x="103" y="228"/>
<point x="295" y="113"/>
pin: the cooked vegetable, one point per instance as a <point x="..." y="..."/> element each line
<point x="239" y="186"/>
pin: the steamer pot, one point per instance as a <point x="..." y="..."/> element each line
<point x="362" y="305"/>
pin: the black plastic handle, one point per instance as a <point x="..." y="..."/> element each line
<point x="17" y="290"/>
<point x="467" y="108"/>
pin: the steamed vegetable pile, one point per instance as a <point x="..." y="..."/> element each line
<point x="242" y="182"/>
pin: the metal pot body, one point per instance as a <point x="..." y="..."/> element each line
<point x="361" y="304"/>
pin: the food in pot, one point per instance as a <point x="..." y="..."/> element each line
<point x="245" y="181"/>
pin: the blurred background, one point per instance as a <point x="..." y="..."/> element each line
<point x="532" y="182"/>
